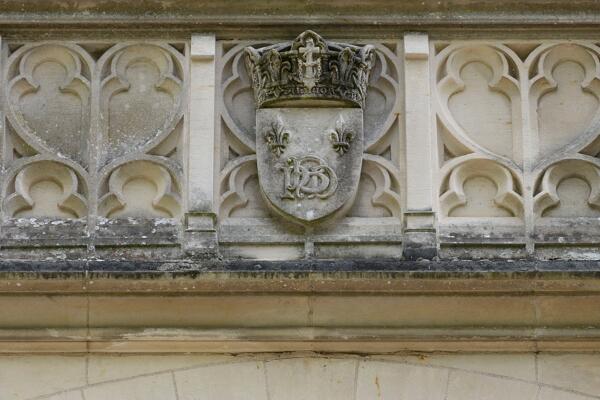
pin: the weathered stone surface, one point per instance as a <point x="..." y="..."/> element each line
<point x="467" y="386"/>
<point x="578" y="372"/>
<point x="52" y="374"/>
<point x="311" y="379"/>
<point x="381" y="380"/>
<point x="337" y="14"/>
<point x="214" y="382"/>
<point x="157" y="387"/>
<point x="103" y="368"/>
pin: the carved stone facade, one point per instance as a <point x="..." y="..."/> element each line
<point x="343" y="200"/>
<point x="94" y="145"/>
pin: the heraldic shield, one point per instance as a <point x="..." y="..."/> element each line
<point x="309" y="159"/>
<point x="309" y="124"/>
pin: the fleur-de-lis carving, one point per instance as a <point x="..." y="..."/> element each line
<point x="277" y="137"/>
<point x="341" y="137"/>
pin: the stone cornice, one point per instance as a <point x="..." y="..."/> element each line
<point x="218" y="15"/>
<point x="332" y="306"/>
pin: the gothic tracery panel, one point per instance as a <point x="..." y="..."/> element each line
<point x="541" y="131"/>
<point x="479" y="130"/>
<point x="94" y="131"/>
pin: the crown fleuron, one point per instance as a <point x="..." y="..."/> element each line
<point x="309" y="68"/>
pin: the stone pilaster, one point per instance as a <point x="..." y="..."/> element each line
<point x="200" y="221"/>
<point x="419" y="216"/>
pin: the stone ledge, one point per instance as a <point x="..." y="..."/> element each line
<point x="308" y="276"/>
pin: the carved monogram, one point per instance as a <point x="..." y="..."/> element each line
<point x="308" y="176"/>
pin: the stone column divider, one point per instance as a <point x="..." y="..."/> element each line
<point x="200" y="218"/>
<point x="419" y="215"/>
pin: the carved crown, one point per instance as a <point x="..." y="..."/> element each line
<point x="309" y="68"/>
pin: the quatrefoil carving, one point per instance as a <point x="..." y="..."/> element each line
<point x="543" y="123"/>
<point x="379" y="189"/>
<point x="72" y="118"/>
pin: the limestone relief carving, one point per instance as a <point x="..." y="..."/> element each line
<point x="277" y="137"/>
<point x="564" y="100"/>
<point x="48" y="87"/>
<point x="238" y="109"/>
<point x="480" y="188"/>
<point x="309" y="68"/>
<point x="379" y="189"/>
<point x="139" y="189"/>
<point x="76" y="111"/>
<point x="309" y="62"/>
<point x="565" y="94"/>
<point x="479" y="103"/>
<point x="240" y="195"/>
<point x="341" y="137"/>
<point x="383" y="103"/>
<point x="308" y="176"/>
<point x="569" y="188"/>
<point x="305" y="69"/>
<point x="529" y="113"/>
<point x="312" y="181"/>
<point x="46" y="189"/>
<point x="141" y="100"/>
